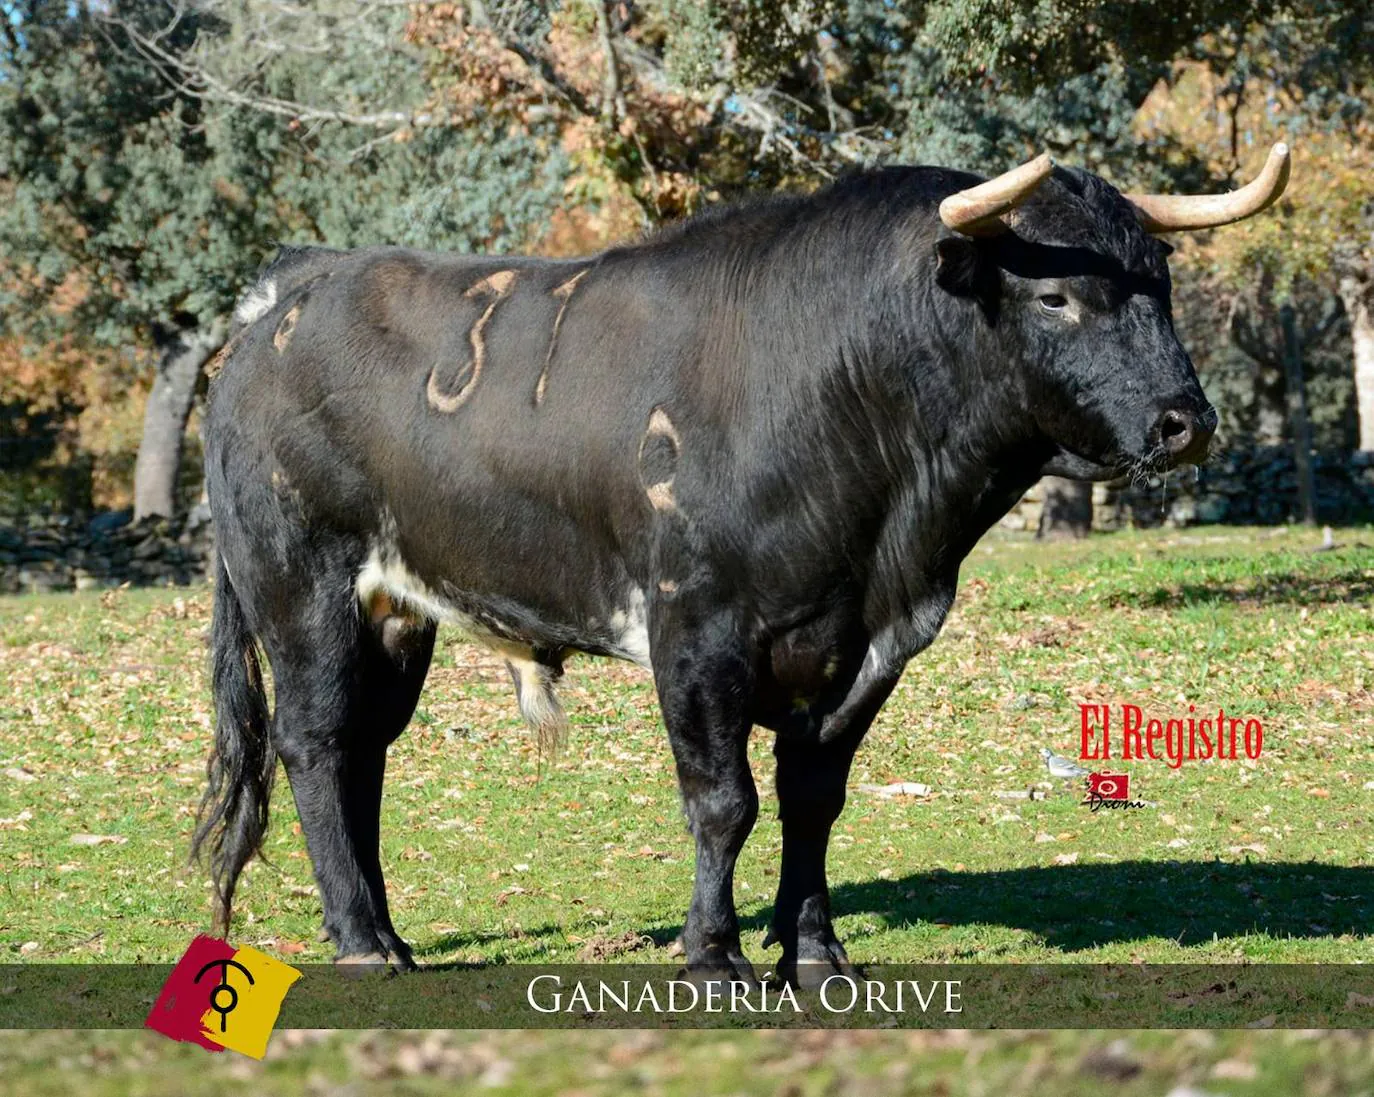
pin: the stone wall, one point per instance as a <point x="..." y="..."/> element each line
<point x="58" y="552"/>
<point x="1256" y="487"/>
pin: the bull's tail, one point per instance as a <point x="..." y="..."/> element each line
<point x="233" y="814"/>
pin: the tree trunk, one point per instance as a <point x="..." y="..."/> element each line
<point x="164" y="419"/>
<point x="1271" y="406"/>
<point x="1068" y="508"/>
<point x="1297" y="413"/>
<point x="1358" y="298"/>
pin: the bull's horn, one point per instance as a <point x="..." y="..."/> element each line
<point x="978" y="211"/>
<point x="1176" y="212"/>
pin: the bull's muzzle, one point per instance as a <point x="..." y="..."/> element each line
<point x="1184" y="434"/>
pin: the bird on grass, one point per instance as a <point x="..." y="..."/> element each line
<point x="1061" y="768"/>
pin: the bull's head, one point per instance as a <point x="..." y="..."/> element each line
<point x="1076" y="288"/>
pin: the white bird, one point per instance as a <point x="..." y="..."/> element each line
<point x="1061" y="768"/>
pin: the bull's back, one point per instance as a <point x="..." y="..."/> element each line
<point x="486" y="418"/>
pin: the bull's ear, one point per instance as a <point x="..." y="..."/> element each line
<point x="957" y="265"/>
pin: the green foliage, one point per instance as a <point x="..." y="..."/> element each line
<point x="116" y="197"/>
<point x="147" y="166"/>
<point x="1045" y="41"/>
<point x="136" y="204"/>
<point x="460" y="183"/>
<point x="746" y="42"/>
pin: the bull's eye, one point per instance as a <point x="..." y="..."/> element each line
<point x="1053" y="303"/>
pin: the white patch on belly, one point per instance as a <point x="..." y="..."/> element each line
<point x="257" y="302"/>
<point x="386" y="573"/>
<point x="631" y="629"/>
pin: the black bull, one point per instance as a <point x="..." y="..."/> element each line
<point x="748" y="453"/>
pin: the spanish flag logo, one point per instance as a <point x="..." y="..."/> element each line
<point x="219" y="996"/>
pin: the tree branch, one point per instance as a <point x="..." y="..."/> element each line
<point x="540" y="66"/>
<point x="1244" y="335"/>
<point x="198" y="83"/>
<point x="612" y="102"/>
<point x="1313" y="334"/>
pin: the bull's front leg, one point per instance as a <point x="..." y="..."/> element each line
<point x="704" y="675"/>
<point x="811" y="778"/>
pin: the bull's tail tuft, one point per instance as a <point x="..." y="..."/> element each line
<point x="233" y="813"/>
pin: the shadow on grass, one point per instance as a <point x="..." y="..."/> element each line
<point x="1075" y="907"/>
<point x="1352" y="585"/>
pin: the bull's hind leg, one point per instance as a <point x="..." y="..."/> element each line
<point x="344" y="691"/>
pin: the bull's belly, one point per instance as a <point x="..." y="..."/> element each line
<point x="610" y="622"/>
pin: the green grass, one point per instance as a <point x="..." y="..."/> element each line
<point x="489" y="856"/>
<point x="688" y="1064"/>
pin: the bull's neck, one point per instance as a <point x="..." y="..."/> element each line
<point x="903" y="409"/>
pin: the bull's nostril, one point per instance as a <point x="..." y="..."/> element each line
<point x="1179" y="434"/>
<point x="1172" y="426"/>
<point x="1182" y="434"/>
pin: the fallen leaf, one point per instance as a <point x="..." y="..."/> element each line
<point x="897" y="788"/>
<point x="97" y="839"/>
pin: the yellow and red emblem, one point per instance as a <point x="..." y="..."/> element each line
<point x="219" y="996"/>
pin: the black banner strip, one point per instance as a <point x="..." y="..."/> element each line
<point x="101" y="996"/>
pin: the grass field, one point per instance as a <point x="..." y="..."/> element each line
<point x="491" y="855"/>
<point x="653" y="1064"/>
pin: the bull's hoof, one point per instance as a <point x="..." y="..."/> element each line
<point x="720" y="966"/>
<point x="393" y="960"/>
<point x="814" y="963"/>
<point x="359" y="965"/>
